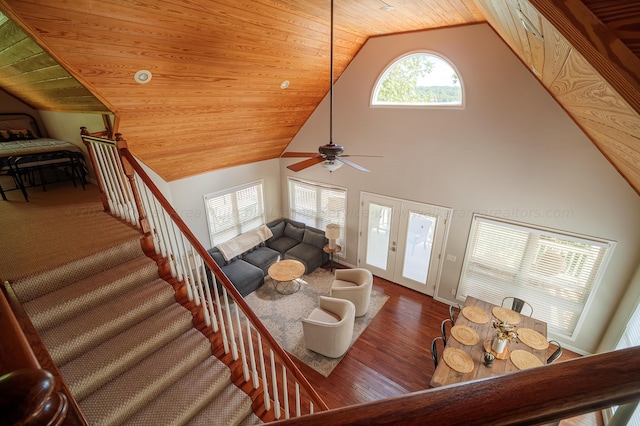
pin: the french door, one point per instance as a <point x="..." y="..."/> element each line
<point x="402" y="241"/>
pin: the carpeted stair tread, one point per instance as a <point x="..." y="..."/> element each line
<point x="100" y="365"/>
<point x="229" y="407"/>
<point x="58" y="306"/>
<point x="78" y="335"/>
<point x="28" y="288"/>
<point x="130" y="392"/>
<point x="187" y="396"/>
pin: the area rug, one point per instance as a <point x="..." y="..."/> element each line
<point x="281" y="315"/>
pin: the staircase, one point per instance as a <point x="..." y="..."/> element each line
<point x="127" y="350"/>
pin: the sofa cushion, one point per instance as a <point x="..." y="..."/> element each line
<point x="217" y="257"/>
<point x="262" y="257"/>
<point x="293" y="232"/>
<point x="314" y="238"/>
<point x="310" y="256"/>
<point x="277" y="230"/>
<point x="283" y="244"/>
<point x="244" y="276"/>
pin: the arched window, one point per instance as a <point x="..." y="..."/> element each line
<point x="418" y="79"/>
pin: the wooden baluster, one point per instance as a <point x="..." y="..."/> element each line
<point x="96" y="171"/>
<point x="128" y="170"/>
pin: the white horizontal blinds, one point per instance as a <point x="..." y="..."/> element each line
<point x="318" y="205"/>
<point x="234" y="211"/>
<point x="631" y="335"/>
<point x="552" y="271"/>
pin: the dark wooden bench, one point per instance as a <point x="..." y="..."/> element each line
<point x="34" y="169"/>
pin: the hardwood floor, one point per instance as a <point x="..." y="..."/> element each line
<point x="392" y="356"/>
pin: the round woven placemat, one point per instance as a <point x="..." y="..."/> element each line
<point x="532" y="338"/>
<point x="465" y="335"/>
<point x="506" y="315"/>
<point x="475" y="314"/>
<point x="523" y="359"/>
<point x="458" y="359"/>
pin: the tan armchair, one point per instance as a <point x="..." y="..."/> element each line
<point x="328" y="330"/>
<point x="354" y="285"/>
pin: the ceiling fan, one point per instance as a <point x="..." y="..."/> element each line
<point x="331" y="155"/>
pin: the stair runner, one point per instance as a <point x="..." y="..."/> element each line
<point x="126" y="348"/>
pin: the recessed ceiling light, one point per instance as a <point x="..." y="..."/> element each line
<point x="142" y="76"/>
<point x="284" y="84"/>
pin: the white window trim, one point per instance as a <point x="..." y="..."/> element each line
<point x="318" y="185"/>
<point x="609" y="245"/>
<point x="374" y="90"/>
<point x="227" y="191"/>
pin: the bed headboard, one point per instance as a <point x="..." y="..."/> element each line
<point x="18" y="123"/>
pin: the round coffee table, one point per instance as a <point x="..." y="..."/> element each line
<point x="285" y="274"/>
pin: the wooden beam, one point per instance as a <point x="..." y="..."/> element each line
<point x="599" y="45"/>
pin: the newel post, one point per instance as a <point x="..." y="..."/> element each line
<point x="94" y="165"/>
<point x="121" y="144"/>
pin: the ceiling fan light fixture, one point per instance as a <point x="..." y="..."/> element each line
<point x="332" y="165"/>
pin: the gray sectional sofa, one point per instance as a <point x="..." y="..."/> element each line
<point x="290" y="240"/>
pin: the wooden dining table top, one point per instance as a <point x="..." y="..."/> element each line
<point x="445" y="375"/>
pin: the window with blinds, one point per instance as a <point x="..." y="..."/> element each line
<point x="318" y="205"/>
<point x="555" y="272"/>
<point x="234" y="211"/>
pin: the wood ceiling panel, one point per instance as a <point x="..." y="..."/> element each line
<point x="217" y="65"/>
<point x="596" y="106"/>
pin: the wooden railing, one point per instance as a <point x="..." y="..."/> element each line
<point x="535" y="396"/>
<point x="30" y="393"/>
<point x="128" y="193"/>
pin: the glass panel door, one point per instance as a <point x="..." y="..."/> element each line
<point x="402" y="241"/>
<point x="419" y="242"/>
<point x="379" y="236"/>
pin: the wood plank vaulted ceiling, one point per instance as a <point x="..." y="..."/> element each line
<point x="215" y="99"/>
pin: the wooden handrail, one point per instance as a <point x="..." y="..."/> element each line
<point x="539" y="395"/>
<point x="221" y="277"/>
<point x="25" y="360"/>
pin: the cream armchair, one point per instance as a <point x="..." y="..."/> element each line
<point x="354" y="285"/>
<point x="328" y="330"/>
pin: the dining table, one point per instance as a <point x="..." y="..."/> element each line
<point x="462" y="358"/>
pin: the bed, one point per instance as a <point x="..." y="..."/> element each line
<point x="23" y="150"/>
<point x="20" y="135"/>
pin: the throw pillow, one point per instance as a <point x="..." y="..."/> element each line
<point x="293" y="232"/>
<point x="314" y="238"/>
<point x="21" y="134"/>
<point x="277" y="230"/>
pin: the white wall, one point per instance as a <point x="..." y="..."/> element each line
<point x="187" y="194"/>
<point x="511" y="152"/>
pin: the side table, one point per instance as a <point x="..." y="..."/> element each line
<point x="331" y="251"/>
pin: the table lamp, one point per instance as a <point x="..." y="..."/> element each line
<point x="333" y="233"/>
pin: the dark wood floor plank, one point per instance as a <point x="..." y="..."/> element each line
<point x="392" y="356"/>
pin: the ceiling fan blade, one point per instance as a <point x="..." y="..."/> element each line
<point x="354" y="165"/>
<point x="296" y="167"/>
<point x="299" y="154"/>
<point x="357" y="155"/>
